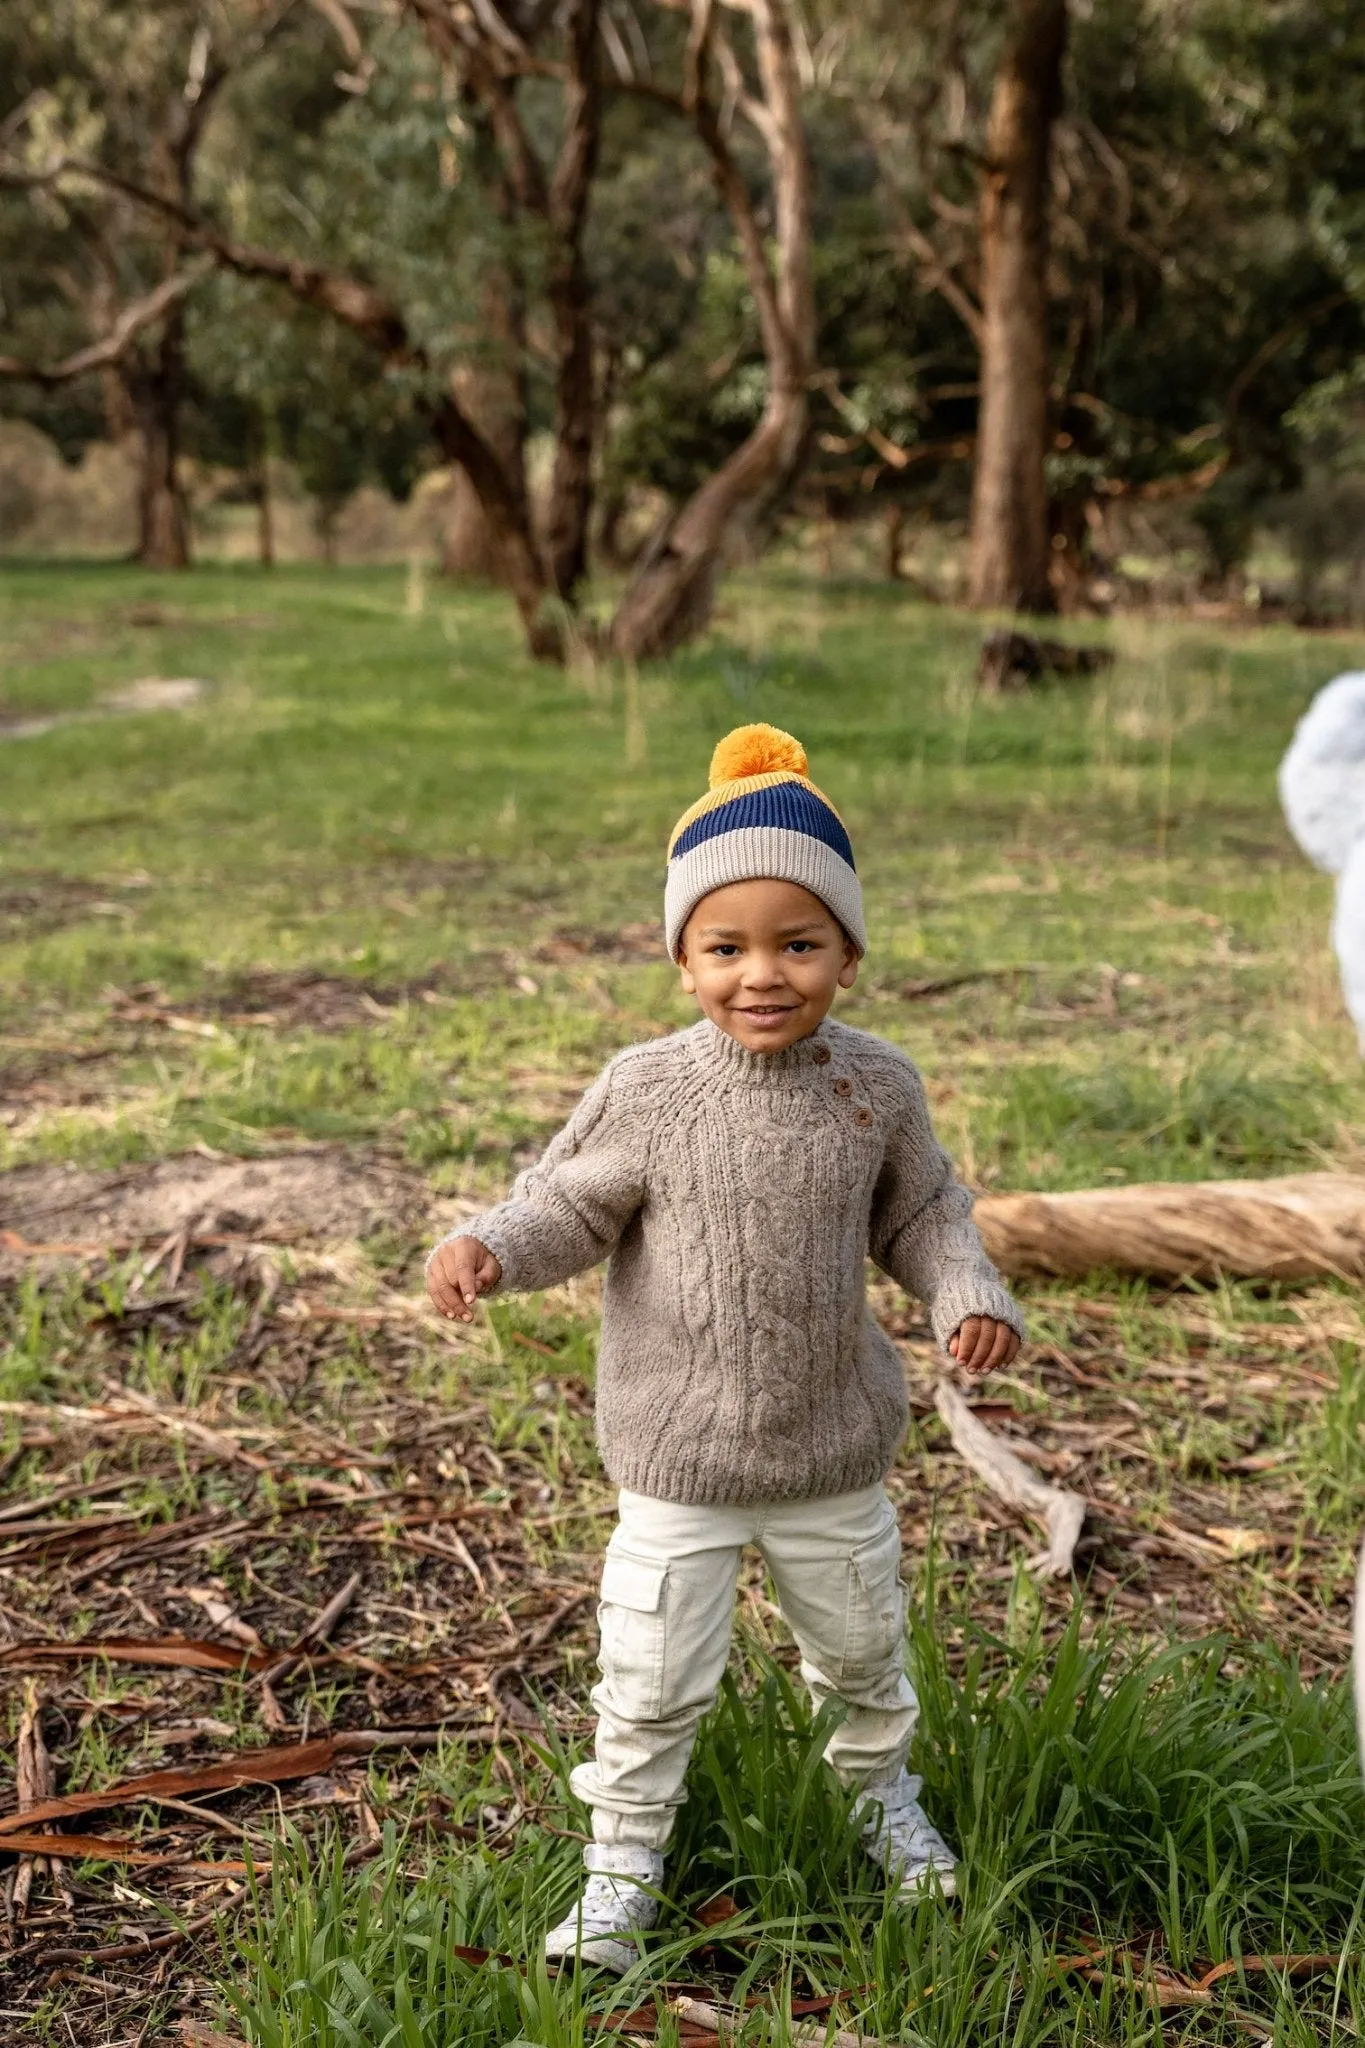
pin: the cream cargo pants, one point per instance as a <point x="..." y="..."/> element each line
<point x="668" y="1594"/>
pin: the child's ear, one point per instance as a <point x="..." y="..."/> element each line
<point x="848" y="973"/>
<point x="689" y="979"/>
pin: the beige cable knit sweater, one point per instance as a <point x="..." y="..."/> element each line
<point x="737" y="1195"/>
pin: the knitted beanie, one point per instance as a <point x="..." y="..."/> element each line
<point x="762" y="819"/>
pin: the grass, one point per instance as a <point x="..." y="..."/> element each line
<point x="1092" y="1794"/>
<point x="386" y="798"/>
<point x="387" y="884"/>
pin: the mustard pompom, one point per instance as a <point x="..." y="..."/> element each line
<point x="756" y="750"/>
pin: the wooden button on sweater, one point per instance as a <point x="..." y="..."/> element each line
<point x="843" y="1086"/>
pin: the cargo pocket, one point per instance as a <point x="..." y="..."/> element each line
<point x="874" y="1632"/>
<point x="630" y="1619"/>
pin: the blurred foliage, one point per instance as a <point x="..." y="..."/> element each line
<point x="1207" y="268"/>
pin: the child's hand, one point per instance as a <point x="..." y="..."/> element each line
<point x="981" y="1345"/>
<point x="460" y="1271"/>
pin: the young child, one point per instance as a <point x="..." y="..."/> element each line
<point x="736" y="1175"/>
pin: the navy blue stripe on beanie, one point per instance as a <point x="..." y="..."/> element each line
<point x="787" y="805"/>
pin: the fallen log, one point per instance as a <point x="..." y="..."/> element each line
<point x="1295" y="1228"/>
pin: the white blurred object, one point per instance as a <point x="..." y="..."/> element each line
<point x="1322" y="789"/>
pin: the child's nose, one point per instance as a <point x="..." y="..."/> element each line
<point x="764" y="970"/>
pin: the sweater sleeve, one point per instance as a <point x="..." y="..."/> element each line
<point x="568" y="1211"/>
<point x="922" y="1232"/>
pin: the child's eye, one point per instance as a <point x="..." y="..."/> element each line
<point x="724" y="950"/>
<point x="803" y="946"/>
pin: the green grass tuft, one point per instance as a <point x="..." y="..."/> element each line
<point x="1190" y="1807"/>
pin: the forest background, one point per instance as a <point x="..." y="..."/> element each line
<point x="1041" y="305"/>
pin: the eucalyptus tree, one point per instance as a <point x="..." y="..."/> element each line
<point x="530" y="80"/>
<point x="1193" y="276"/>
<point x="132" y="90"/>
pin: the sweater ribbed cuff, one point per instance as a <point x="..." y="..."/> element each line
<point x="966" y="1295"/>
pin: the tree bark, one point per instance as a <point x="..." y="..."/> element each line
<point x="469" y="553"/>
<point x="509" y="521"/>
<point x="494" y="398"/>
<point x="326" y="513"/>
<point x="1290" y="1228"/>
<point x="570" y="295"/>
<point x="895" y="530"/>
<point x="672" y="592"/>
<point x="163" y="527"/>
<point x="1010" y="559"/>
<point x="258" y="482"/>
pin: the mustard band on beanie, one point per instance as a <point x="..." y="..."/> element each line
<point x="762" y="819"/>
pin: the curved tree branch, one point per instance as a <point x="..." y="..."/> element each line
<point x="570" y="294"/>
<point x="672" y="592"/>
<point x="380" y="323"/>
<point x="729" y="181"/>
<point x="111" y="347"/>
<point x="491" y="59"/>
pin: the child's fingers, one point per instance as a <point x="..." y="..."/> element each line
<point x="986" y="1344"/>
<point x="996" y="1347"/>
<point x="452" y="1281"/>
<point x="1002" y="1349"/>
<point x="448" y="1299"/>
<point x="964" y="1345"/>
<point x="488" y="1272"/>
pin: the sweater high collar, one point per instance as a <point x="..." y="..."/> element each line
<point x="761" y="1069"/>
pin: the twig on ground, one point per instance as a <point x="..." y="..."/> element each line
<point x="314" y="1635"/>
<point x="1061" y="1513"/>
<point x="37" y="1781"/>
<point x="179" y="1653"/>
<point x="802" y="2034"/>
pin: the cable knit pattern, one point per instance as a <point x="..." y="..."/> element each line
<point x="736" y="1195"/>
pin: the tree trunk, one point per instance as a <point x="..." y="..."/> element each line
<point x="163" y="527"/>
<point x="671" y="594"/>
<point x="469" y="553"/>
<point x="265" y="512"/>
<point x="326" y="513"/>
<point x="1009" y="533"/>
<point x="120" y="413"/>
<point x="508" y="516"/>
<point x="895" y="531"/>
<point x="495" y="400"/>
<point x="570" y="294"/>
<point x="611" y="511"/>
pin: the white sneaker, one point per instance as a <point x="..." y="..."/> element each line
<point x="901" y="1837"/>
<point x="615" y="1905"/>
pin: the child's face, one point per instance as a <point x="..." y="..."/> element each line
<point x="763" y="960"/>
